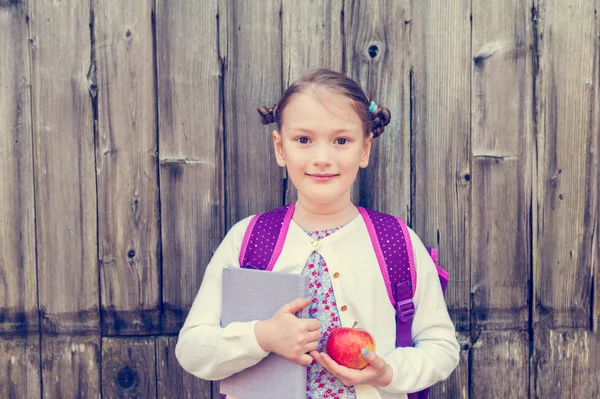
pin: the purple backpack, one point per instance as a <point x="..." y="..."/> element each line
<point x="266" y="233"/>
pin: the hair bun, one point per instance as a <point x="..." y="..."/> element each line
<point x="381" y="118"/>
<point x="268" y="115"/>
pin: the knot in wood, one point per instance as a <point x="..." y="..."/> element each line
<point x="374" y="50"/>
<point x="126" y="377"/>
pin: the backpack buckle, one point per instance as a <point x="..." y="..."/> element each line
<point x="405" y="310"/>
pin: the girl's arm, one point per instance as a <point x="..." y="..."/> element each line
<point x="204" y="349"/>
<point x="435" y="351"/>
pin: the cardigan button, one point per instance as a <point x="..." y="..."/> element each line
<point x="344" y="308"/>
<point x="336" y="275"/>
<point x="315" y="243"/>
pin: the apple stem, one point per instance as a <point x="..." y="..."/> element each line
<point x="354" y="325"/>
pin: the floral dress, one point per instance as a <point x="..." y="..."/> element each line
<point x="320" y="383"/>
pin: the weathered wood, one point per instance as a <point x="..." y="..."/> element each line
<point x="20" y="367"/>
<point x="18" y="301"/>
<point x="127" y="167"/>
<point x="65" y="188"/>
<point x="457" y="385"/>
<point x="251" y="48"/>
<point x="440" y="176"/>
<point x="65" y="183"/>
<point x="129" y="368"/>
<point x="569" y="365"/>
<point x="377" y="47"/>
<point x="501" y="166"/>
<point x="596" y="147"/>
<point x="567" y="163"/>
<point x="440" y="183"/>
<point x="303" y="22"/>
<point x="71" y="366"/>
<point x="500" y="365"/>
<point x="191" y="146"/>
<point x="173" y="381"/>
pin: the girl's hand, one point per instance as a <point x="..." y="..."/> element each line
<point x="289" y="336"/>
<point x="377" y="373"/>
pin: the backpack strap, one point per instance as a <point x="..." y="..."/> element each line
<point x="396" y="262"/>
<point x="264" y="238"/>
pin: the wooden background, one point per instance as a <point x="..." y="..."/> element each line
<point x="129" y="144"/>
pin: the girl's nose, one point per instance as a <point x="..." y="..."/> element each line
<point x="322" y="156"/>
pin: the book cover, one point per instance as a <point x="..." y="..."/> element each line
<point x="249" y="295"/>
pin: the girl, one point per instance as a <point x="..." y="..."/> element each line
<point x="326" y="126"/>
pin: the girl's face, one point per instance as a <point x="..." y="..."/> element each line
<point x="322" y="144"/>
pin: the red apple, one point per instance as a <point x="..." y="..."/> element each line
<point x="345" y="345"/>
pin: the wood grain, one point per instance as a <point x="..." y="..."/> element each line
<point x="596" y="147"/>
<point x="65" y="189"/>
<point x="500" y="365"/>
<point x="440" y="140"/>
<point x="129" y="368"/>
<point x="18" y="275"/>
<point x="191" y="149"/>
<point x="501" y="162"/>
<point x="567" y="164"/>
<point x="71" y="366"/>
<point x="377" y="37"/>
<point x="126" y="154"/>
<point x="173" y="381"/>
<point x="20" y="367"/>
<point x="251" y="48"/>
<point x="65" y="183"/>
<point x="501" y="195"/>
<point x="312" y="36"/>
<point x="568" y="365"/>
<point x="440" y="159"/>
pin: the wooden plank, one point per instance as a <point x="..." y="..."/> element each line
<point x="127" y="168"/>
<point x="191" y="148"/>
<point x="440" y="114"/>
<point x="65" y="183"/>
<point x="567" y="164"/>
<point x="20" y="367"/>
<point x="302" y="22"/>
<point x="129" y="368"/>
<point x="65" y="188"/>
<point x="251" y="49"/>
<point x="18" y="302"/>
<point x="71" y="366"/>
<point x="501" y="163"/>
<point x="506" y="354"/>
<point x="569" y="365"/>
<point x="596" y="145"/>
<point x="173" y="381"/>
<point x="377" y="47"/>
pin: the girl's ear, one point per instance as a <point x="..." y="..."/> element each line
<point x="364" y="159"/>
<point x="278" y="149"/>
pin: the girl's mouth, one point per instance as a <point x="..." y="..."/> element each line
<point x="321" y="177"/>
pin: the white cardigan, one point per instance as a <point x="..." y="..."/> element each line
<point x="212" y="353"/>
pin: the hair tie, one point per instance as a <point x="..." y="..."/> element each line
<point x="372" y="107"/>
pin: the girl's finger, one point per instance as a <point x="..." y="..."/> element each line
<point x="311" y="346"/>
<point x="375" y="361"/>
<point x="313" y="336"/>
<point x="305" y="359"/>
<point x="317" y="356"/>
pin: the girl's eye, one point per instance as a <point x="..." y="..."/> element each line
<point x="342" y="140"/>
<point x="303" y="140"/>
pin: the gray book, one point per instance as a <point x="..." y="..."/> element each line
<point x="256" y="295"/>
